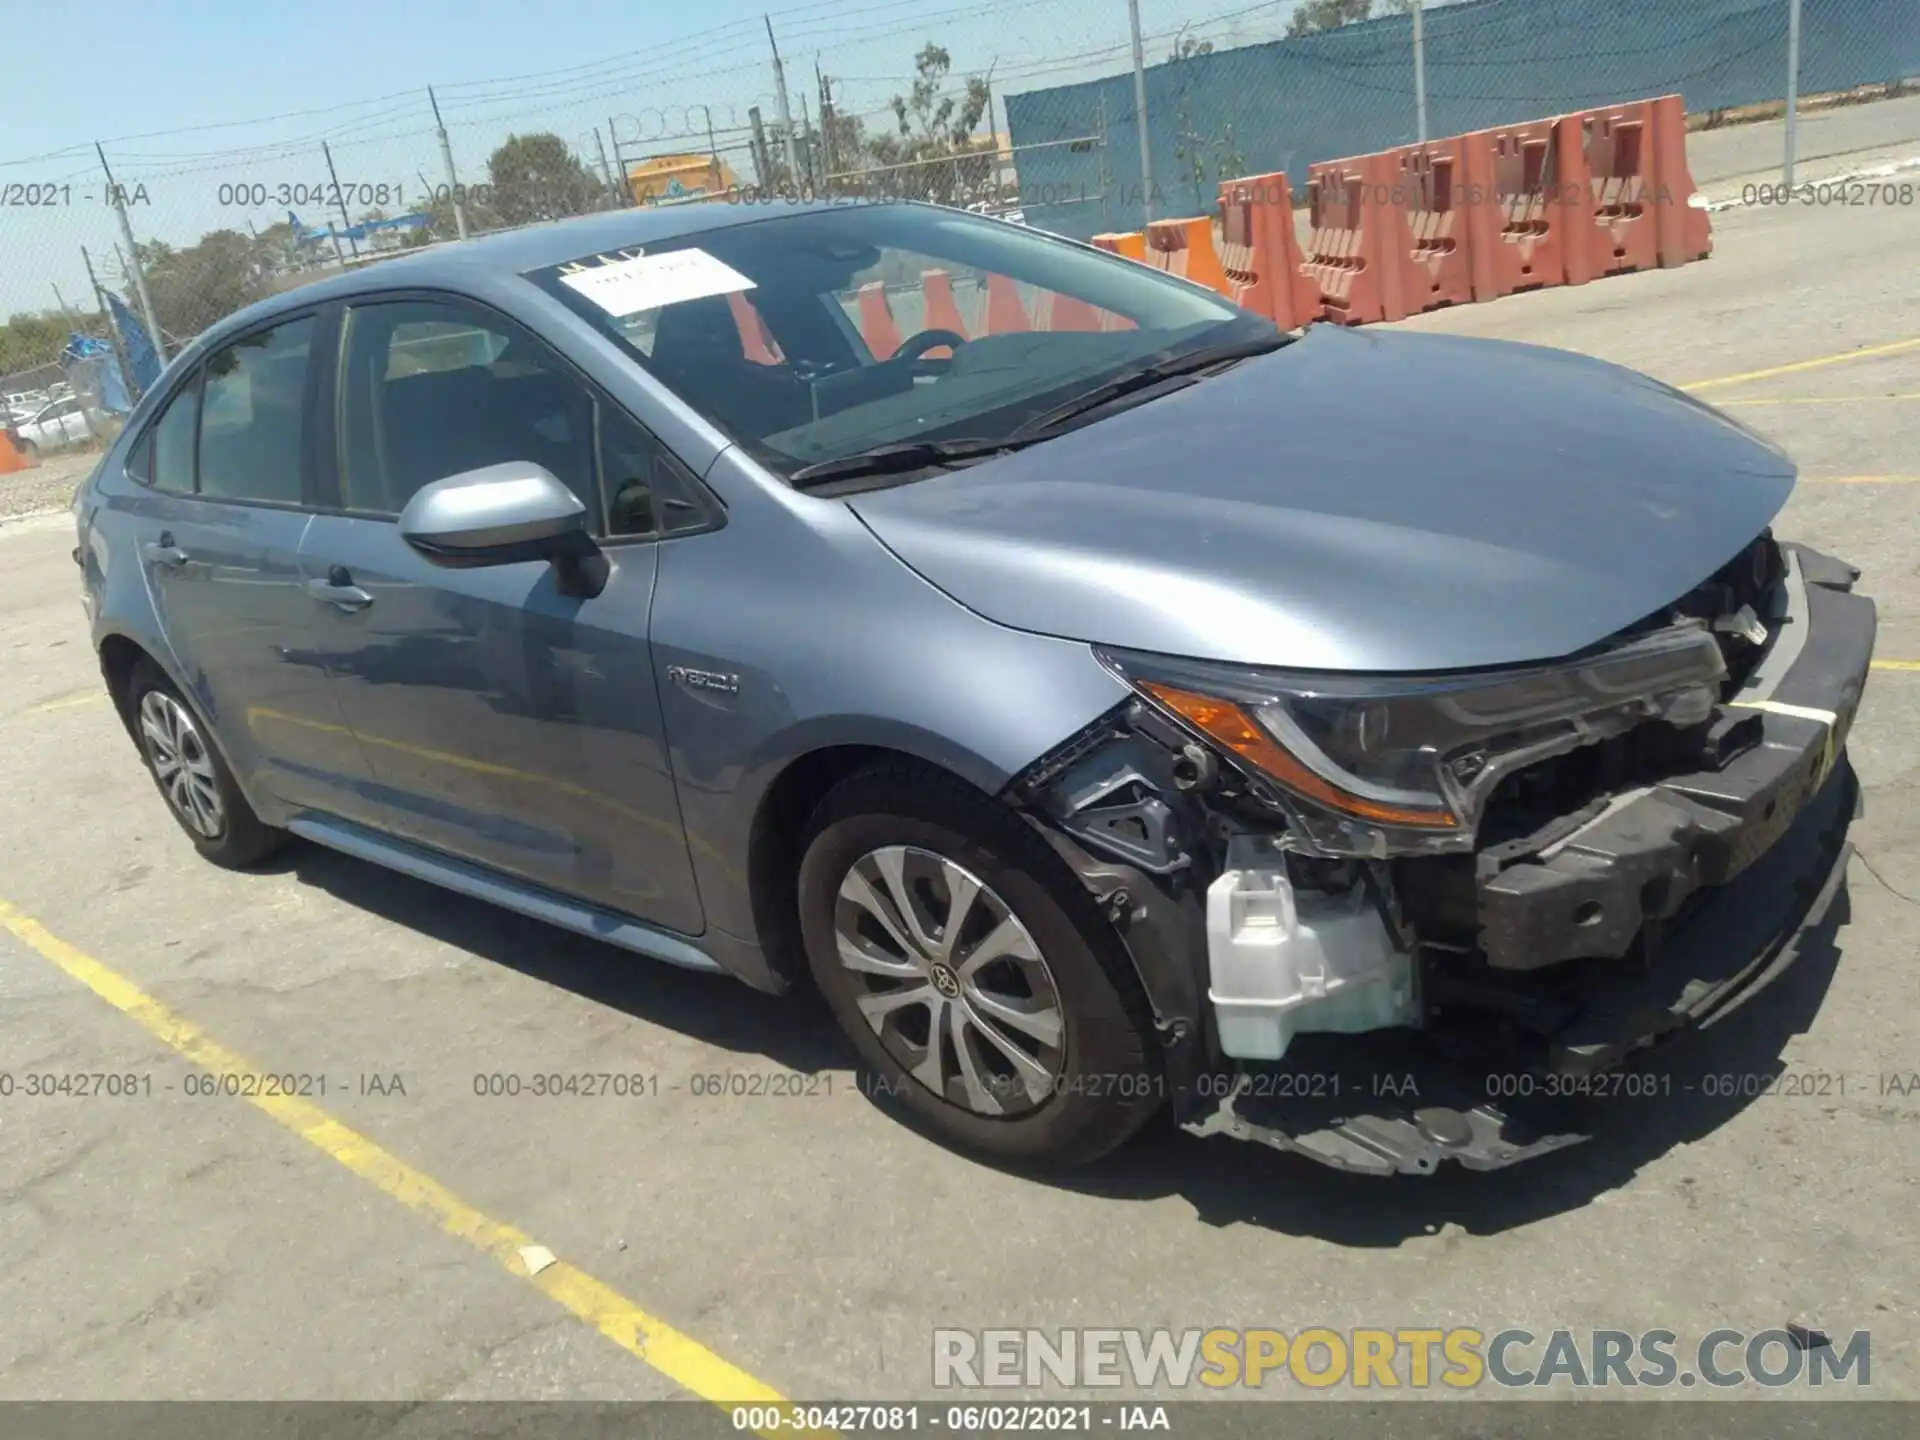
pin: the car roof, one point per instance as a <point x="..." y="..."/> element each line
<point x="456" y="264"/>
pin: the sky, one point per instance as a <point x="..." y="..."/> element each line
<point x="212" y="114"/>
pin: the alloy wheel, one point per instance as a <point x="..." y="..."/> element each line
<point x="951" y="981"/>
<point x="182" y="763"/>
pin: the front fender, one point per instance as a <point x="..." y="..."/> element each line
<point x="791" y="630"/>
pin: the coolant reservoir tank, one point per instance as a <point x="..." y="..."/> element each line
<point x="1286" y="963"/>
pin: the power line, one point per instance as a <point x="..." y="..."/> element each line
<point x="686" y="49"/>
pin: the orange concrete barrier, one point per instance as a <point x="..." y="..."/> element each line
<point x="1260" y="251"/>
<point x="10" y="458"/>
<point x="1056" y="312"/>
<point x="1005" y="314"/>
<point x="1185" y="248"/>
<point x="1348" y="255"/>
<point x="1132" y="244"/>
<point x="876" y="320"/>
<point x="1685" y="231"/>
<point x="756" y="342"/>
<point x="1610" y="151"/>
<point x="942" y="309"/>
<point x="1519" y="221"/>
<point x="1428" y="219"/>
<point x="1470" y="217"/>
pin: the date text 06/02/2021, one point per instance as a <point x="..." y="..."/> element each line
<point x="914" y="1416"/>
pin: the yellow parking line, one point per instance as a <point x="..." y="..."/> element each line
<point x="68" y="702"/>
<point x="684" y="1361"/>
<point x="1815" y="400"/>
<point x="1896" y="664"/>
<point x="1897" y="348"/>
<point x="1860" y="479"/>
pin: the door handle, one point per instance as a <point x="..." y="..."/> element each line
<point x="164" y="552"/>
<point x="339" y="591"/>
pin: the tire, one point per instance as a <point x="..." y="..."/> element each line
<point x="192" y="775"/>
<point x="900" y="828"/>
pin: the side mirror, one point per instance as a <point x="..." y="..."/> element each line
<point x="505" y="515"/>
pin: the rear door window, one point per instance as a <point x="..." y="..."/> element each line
<point x="172" y="440"/>
<point x="253" y="416"/>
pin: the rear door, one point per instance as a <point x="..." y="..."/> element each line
<point x="227" y="464"/>
<point x="506" y="723"/>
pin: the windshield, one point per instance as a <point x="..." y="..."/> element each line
<point x="814" y="336"/>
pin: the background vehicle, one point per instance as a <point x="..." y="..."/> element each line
<point x="1083" y="743"/>
<point x="55" y="426"/>
<point x="25" y="404"/>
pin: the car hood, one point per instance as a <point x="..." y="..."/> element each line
<point x="1363" y="501"/>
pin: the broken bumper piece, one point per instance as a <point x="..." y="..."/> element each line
<point x="1716" y="880"/>
<point x="1382" y="1105"/>
<point x="1402" y="1101"/>
<point x="1599" y="891"/>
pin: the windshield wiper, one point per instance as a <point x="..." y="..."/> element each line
<point x="901" y="456"/>
<point x="1140" y="377"/>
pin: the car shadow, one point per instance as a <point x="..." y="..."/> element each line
<point x="793" y="1031"/>
<point x="1227" y="1182"/>
<point x="1712" y="1075"/>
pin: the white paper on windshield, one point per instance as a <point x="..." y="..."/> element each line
<point x="646" y="282"/>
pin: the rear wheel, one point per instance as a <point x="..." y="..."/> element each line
<point x="971" y="973"/>
<point x="193" y="777"/>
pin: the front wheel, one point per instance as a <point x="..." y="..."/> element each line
<point x="971" y="972"/>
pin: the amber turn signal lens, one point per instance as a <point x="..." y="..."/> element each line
<point x="1227" y="724"/>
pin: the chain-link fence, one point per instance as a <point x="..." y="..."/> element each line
<point x="1216" y="111"/>
<point x="72" y="402"/>
<point x="1030" y="109"/>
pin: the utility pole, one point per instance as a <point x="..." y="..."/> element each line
<point x="133" y="265"/>
<point x="1106" y="174"/>
<point x="619" y="162"/>
<point x="713" y="149"/>
<point x="446" y="163"/>
<point x="1420" y="69"/>
<point x="762" y="162"/>
<point x="606" y="169"/>
<point x="826" y="119"/>
<point x="1793" y="92"/>
<point x="340" y="199"/>
<point x="1140" y="111"/>
<point x="807" y="144"/>
<point x="993" y="136"/>
<point x="73" y="321"/>
<point x="786" y="113"/>
<point x="113" y="330"/>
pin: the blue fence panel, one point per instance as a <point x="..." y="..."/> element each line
<point x="1289" y="103"/>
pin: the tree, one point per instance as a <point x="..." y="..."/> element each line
<point x="476" y="201"/>
<point x="1314" y="16"/>
<point x="1186" y="46"/>
<point x="193" y="287"/>
<point x="536" y="177"/>
<point x="847" y="144"/>
<point x="934" y="136"/>
<point x="30" y="339"/>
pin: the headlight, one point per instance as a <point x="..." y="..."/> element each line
<point x="1384" y="765"/>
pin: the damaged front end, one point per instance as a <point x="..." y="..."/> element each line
<point x="1361" y="906"/>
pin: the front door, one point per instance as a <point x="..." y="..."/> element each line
<point x="504" y="722"/>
